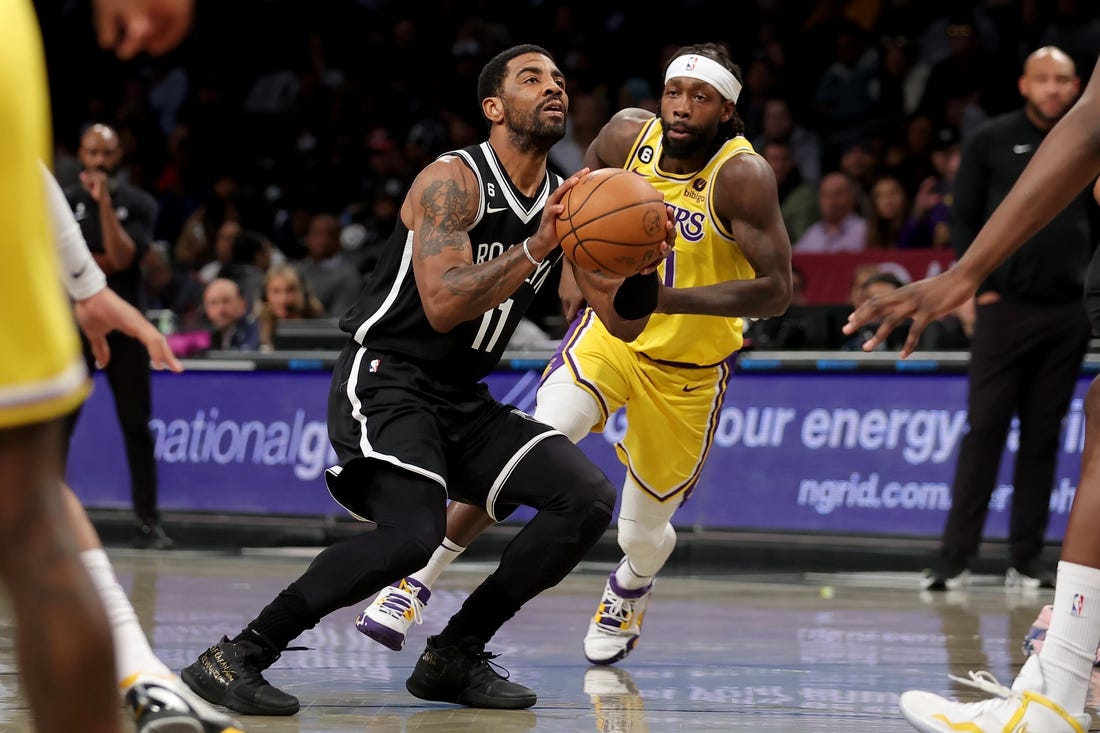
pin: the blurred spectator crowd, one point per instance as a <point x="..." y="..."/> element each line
<point x="280" y="138"/>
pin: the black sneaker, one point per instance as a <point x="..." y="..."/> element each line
<point x="936" y="580"/>
<point x="152" y="537"/>
<point x="463" y="674"/>
<point x="228" y="674"/>
<point x="945" y="574"/>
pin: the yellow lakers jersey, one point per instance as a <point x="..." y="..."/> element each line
<point x="705" y="254"/>
<point x="41" y="372"/>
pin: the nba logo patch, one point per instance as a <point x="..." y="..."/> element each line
<point x="1078" y="607"/>
<point x="690" y="65"/>
<point x="374" y="364"/>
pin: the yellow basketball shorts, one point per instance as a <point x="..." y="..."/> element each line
<point x="42" y="374"/>
<point x="672" y="411"/>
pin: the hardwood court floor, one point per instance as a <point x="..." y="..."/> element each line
<point x="719" y="653"/>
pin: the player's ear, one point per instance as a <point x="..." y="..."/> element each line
<point x="492" y="109"/>
<point x="727" y="111"/>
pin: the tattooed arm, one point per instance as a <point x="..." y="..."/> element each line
<point x="439" y="209"/>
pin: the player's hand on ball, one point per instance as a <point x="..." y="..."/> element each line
<point x="546" y="239"/>
<point x="666" y="247"/>
<point x="614" y="223"/>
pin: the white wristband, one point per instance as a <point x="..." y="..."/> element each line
<point x="530" y="256"/>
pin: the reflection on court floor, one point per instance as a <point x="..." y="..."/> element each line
<point x="804" y="653"/>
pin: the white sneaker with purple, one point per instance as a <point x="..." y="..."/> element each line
<point x="396" y="607"/>
<point x="617" y="624"/>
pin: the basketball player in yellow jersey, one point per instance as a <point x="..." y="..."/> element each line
<point x="64" y="642"/>
<point x="732" y="259"/>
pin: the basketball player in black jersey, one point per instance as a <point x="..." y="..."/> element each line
<point x="413" y="425"/>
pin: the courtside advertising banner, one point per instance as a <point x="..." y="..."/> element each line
<point x="836" y="453"/>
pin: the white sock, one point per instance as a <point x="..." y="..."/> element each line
<point x="1070" y="646"/>
<point x="443" y="556"/>
<point x="628" y="579"/>
<point x="133" y="655"/>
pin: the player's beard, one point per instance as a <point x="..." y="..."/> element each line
<point x="684" y="148"/>
<point x="533" y="131"/>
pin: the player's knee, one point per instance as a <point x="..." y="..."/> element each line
<point x="572" y="423"/>
<point x="637" y="540"/>
<point x="602" y="494"/>
<point x="592" y="499"/>
<point x="569" y="423"/>
<point x="559" y="480"/>
<point x="566" y="407"/>
<point x="582" y="488"/>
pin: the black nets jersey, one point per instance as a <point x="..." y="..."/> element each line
<point x="136" y="211"/>
<point x="388" y="316"/>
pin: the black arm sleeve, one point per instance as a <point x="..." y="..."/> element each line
<point x="637" y="296"/>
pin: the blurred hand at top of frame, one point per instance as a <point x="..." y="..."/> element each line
<point x="129" y="27"/>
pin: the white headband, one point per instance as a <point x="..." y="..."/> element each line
<point x="708" y="70"/>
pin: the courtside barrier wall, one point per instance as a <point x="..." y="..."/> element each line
<point x="807" y="442"/>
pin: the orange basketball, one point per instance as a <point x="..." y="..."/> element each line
<point x="613" y="223"/>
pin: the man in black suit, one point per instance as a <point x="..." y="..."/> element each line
<point x="117" y="221"/>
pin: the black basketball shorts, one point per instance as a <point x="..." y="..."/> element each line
<point x="387" y="408"/>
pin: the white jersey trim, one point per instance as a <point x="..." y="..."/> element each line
<point x="365" y="446"/>
<point x="526" y="215"/>
<point x="480" y="186"/>
<point x="43" y="390"/>
<point x="395" y="290"/>
<point x="506" y="472"/>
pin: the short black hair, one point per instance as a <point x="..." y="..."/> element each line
<point x="490" y="82"/>
<point x="719" y="53"/>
